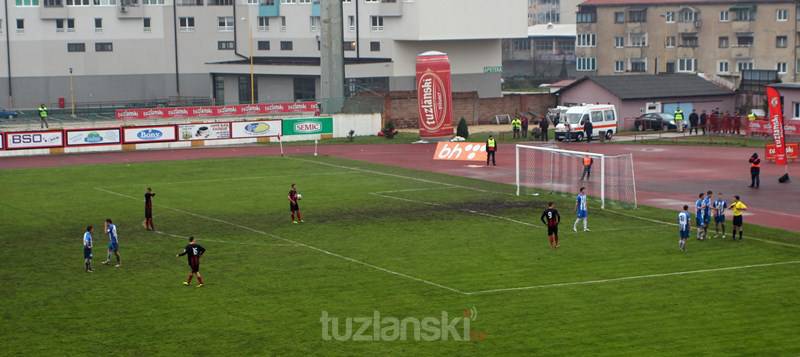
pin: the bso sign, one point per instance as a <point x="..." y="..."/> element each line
<point x="35" y="140"/>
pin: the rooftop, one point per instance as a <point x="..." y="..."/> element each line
<point x="786" y="85"/>
<point x="299" y="61"/>
<point x="678" y="2"/>
<point x="652" y="86"/>
<point x="552" y="30"/>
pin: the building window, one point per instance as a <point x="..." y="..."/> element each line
<point x="619" y="17"/>
<point x="220" y="2"/>
<point x="744" y="40"/>
<point x="246" y="91"/>
<point x="349" y="45"/>
<point x="103" y="47"/>
<point x="744" y="14"/>
<point x="288" y="2"/>
<point x="186" y="24"/>
<point x="263" y="23"/>
<point x="20" y="25"/>
<point x="104" y="2"/>
<point x="146" y="24"/>
<point x="586" y="64"/>
<point x="77" y="2"/>
<point x="781" y="41"/>
<point x="76" y="47"/>
<point x="225" y="45"/>
<point x="283" y="23"/>
<point x="224" y="23"/>
<point x="263" y="45"/>
<point x="687" y="65"/>
<point x="782" y="15"/>
<point x="151" y="2"/>
<point x="637" y="16"/>
<point x="521" y="44"/>
<point x="377" y="23"/>
<point x="743" y="65"/>
<point x="638" y="65"/>
<point x="287" y="46"/>
<point x="619" y="41"/>
<point x="375" y="46"/>
<point x="669" y="16"/>
<point x="314" y="23"/>
<point x="782" y="67"/>
<point x="670" y="42"/>
<point x="59" y="25"/>
<point x="619" y="66"/>
<point x="98" y="24"/>
<point x="586" y="17"/>
<point x="723" y="42"/>
<point x="686" y="16"/>
<point x="724" y="16"/>
<point x="22" y="3"/>
<point x="306" y="2"/>
<point x="638" y="40"/>
<point x="351" y="23"/>
<point x="586" y="40"/>
<point x="723" y="67"/>
<point x="796" y="112"/>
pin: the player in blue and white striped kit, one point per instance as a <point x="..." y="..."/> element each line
<point x="707" y="203"/>
<point x="582" y="211"/>
<point x="684" y="227"/>
<point x="87" y="249"/>
<point x="113" y="242"/>
<point x="719" y="214"/>
<point x="699" y="215"/>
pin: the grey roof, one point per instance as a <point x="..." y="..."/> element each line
<point x="786" y="85"/>
<point x="652" y="86"/>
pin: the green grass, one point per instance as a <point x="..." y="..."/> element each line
<point x="269" y="281"/>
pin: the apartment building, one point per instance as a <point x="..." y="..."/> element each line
<point x="715" y="37"/>
<point x="548" y="53"/>
<point x="541" y="12"/>
<point x="115" y="50"/>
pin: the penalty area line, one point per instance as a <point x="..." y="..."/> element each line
<point x="635" y="277"/>
<point x="308" y="246"/>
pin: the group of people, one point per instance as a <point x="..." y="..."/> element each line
<point x="113" y="245"/>
<point x="551" y="218"/>
<point x="520" y="126"/>
<point x="707" y="206"/>
<point x="715" y="122"/>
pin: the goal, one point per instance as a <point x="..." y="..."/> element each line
<point x="560" y="171"/>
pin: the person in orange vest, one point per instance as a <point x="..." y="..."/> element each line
<point x="755" y="171"/>
<point x="491" y="149"/>
<point x="587" y="167"/>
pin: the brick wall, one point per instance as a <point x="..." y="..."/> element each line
<point x="401" y="107"/>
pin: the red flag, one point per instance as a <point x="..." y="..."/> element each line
<point x="776" y="125"/>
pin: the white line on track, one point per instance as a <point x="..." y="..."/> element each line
<point x="275" y="236"/>
<point x="636" y="277"/>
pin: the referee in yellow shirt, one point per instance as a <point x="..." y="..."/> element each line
<point x="737" y="207"/>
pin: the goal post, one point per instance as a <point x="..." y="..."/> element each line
<point x="553" y="170"/>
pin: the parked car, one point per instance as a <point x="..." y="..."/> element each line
<point x="4" y="113"/>
<point x="655" y="121"/>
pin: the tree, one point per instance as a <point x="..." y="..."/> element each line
<point x="462" y="130"/>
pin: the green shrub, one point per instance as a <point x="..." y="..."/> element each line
<point x="462" y="130"/>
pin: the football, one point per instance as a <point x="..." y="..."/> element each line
<point x="299" y="197"/>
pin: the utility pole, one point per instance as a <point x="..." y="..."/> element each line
<point x="332" y="56"/>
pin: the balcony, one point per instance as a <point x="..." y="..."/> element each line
<point x="269" y="8"/>
<point x="53" y="9"/>
<point x="130" y="9"/>
<point x="389" y="8"/>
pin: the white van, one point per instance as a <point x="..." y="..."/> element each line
<point x="602" y="116"/>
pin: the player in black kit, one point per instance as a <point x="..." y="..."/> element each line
<point x="193" y="252"/>
<point x="551" y="218"/>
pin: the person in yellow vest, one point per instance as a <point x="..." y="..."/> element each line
<point x="43" y="116"/>
<point x="751" y="117"/>
<point x="738" y="207"/>
<point x="587" y="167"/>
<point x="679" y="118"/>
<point x="516" y="126"/>
<point x="491" y="149"/>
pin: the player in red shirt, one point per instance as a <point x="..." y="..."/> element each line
<point x="551" y="218"/>
<point x="193" y="252"/>
<point x="293" y="206"/>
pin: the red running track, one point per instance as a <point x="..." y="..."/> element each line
<point x="666" y="176"/>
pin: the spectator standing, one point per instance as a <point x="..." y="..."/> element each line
<point x="43" y="116"/>
<point x="516" y="125"/>
<point x="694" y="121"/>
<point x="544" y="125"/>
<point x="587" y="129"/>
<point x="491" y="149"/>
<point x="755" y="171"/>
<point x="737" y="125"/>
<point x="524" y="126"/>
<point x="678" y="115"/>
<point x="704" y="121"/>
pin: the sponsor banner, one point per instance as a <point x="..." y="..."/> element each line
<point x="149" y="134"/>
<point x="209" y="131"/>
<point x="306" y="126"/>
<point x="792" y="151"/>
<point x="762" y="127"/>
<point x="434" y="95"/>
<point x="218" y="111"/>
<point x="776" y="122"/>
<point x="2" y="138"/>
<point x="254" y="129"/>
<point x="82" y="137"/>
<point x="34" y="140"/>
<point x="462" y="151"/>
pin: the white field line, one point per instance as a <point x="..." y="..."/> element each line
<point x="275" y="236"/>
<point x="229" y="242"/>
<point x="636" y="277"/>
<point x="411" y="178"/>
<point x="225" y="179"/>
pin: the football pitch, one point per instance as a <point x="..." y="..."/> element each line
<point x="466" y="259"/>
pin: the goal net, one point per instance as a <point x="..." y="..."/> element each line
<point x="611" y="177"/>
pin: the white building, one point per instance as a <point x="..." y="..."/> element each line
<point x="122" y="50"/>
